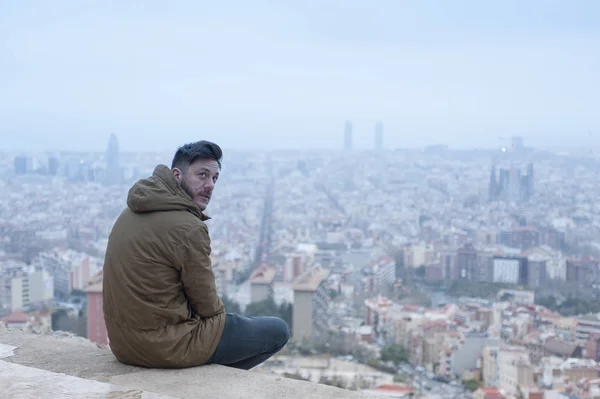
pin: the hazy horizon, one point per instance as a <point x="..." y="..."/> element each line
<point x="170" y="148"/>
<point x="287" y="76"/>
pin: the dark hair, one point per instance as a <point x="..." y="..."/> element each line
<point x="189" y="153"/>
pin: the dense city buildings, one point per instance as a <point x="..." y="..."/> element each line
<point x="471" y="278"/>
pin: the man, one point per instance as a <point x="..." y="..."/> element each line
<point x="160" y="301"/>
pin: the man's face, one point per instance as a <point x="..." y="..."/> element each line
<point x="199" y="180"/>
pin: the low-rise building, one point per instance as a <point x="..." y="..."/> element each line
<point x="261" y="284"/>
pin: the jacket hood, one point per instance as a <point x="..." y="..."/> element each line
<point x="161" y="192"/>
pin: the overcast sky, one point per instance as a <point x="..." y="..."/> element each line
<point x="287" y="74"/>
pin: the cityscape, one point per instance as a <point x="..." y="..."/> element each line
<point x="410" y="189"/>
<point x="424" y="273"/>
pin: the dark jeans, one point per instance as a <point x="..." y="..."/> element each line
<point x="248" y="341"/>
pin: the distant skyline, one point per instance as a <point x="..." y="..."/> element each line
<point x="288" y="74"/>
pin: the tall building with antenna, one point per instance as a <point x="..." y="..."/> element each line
<point x="379" y="135"/>
<point x="517" y="144"/>
<point x="348" y="136"/>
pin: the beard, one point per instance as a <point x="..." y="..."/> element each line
<point x="193" y="195"/>
<point x="187" y="189"/>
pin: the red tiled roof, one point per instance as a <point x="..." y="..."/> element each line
<point x="432" y="324"/>
<point x="491" y="393"/>
<point x="263" y="275"/>
<point x="17" y="317"/>
<point x="392" y="388"/>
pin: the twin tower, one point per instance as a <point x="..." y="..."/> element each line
<point x="378" y="136"/>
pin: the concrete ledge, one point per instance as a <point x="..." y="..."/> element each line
<point x="21" y="382"/>
<point x="77" y="357"/>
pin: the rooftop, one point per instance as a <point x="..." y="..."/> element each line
<point x="263" y="275"/>
<point x="491" y="393"/>
<point x="310" y="280"/>
<point x="17" y="317"/>
<point x="393" y="390"/>
<point x="95" y="283"/>
<point x="61" y="365"/>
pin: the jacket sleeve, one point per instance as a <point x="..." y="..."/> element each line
<point x="196" y="273"/>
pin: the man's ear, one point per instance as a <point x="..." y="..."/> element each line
<point x="178" y="174"/>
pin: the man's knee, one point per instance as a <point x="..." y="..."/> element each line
<point x="280" y="331"/>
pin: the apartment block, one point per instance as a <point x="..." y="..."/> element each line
<point x="96" y="327"/>
<point x="310" y="304"/>
<point x="25" y="287"/>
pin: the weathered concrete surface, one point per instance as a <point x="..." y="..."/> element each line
<point x="22" y="382"/>
<point x="80" y="358"/>
<point x="7" y="350"/>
